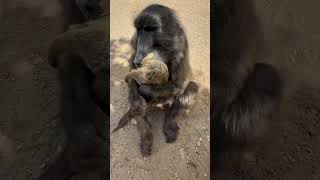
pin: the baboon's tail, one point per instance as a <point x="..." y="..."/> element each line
<point x="256" y="101"/>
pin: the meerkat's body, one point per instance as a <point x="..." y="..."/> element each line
<point x="152" y="71"/>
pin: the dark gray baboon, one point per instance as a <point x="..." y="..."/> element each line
<point x="79" y="11"/>
<point x="159" y="31"/>
<point x="90" y="42"/>
<point x="81" y="58"/>
<point x="245" y="92"/>
<point x="86" y="150"/>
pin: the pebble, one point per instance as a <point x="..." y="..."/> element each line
<point x="111" y="108"/>
<point x="19" y="147"/>
<point x="198" y="144"/>
<point x="116" y="83"/>
<point x="43" y="165"/>
<point x="176" y="174"/>
<point x="291" y="159"/>
<point x="59" y="148"/>
<point x="134" y="122"/>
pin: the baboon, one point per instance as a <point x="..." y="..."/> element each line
<point x="82" y="61"/>
<point x="246" y="92"/>
<point x="79" y="11"/>
<point x="90" y="42"/>
<point x="86" y="150"/>
<point x="158" y="30"/>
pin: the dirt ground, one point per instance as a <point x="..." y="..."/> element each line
<point x="292" y="36"/>
<point x="30" y="134"/>
<point x="188" y="157"/>
<point x="30" y="130"/>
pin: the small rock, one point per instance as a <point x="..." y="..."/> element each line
<point x="309" y="150"/>
<point x="291" y="159"/>
<point x="29" y="171"/>
<point x="59" y="148"/>
<point x="134" y="122"/>
<point x="176" y="174"/>
<point x="311" y="132"/>
<point x="116" y="83"/>
<point x="198" y="144"/>
<point x="111" y="108"/>
<point x="43" y="165"/>
<point x="205" y="175"/>
<point x="19" y="147"/>
<point x="37" y="60"/>
<point x="249" y="157"/>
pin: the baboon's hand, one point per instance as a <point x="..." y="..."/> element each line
<point x="138" y="106"/>
<point x="146" y="91"/>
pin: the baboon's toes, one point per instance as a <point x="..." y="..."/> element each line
<point x="171" y="132"/>
<point x="146" y="145"/>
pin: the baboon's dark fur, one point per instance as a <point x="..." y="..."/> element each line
<point x="246" y="93"/>
<point x="159" y="30"/>
<point x="81" y="58"/>
<point x="79" y="11"/>
<point x="84" y="123"/>
<point x="89" y="42"/>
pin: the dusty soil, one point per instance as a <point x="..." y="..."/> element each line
<point x="292" y="36"/>
<point x="188" y="157"/>
<point x="30" y="130"/>
<point x="29" y="120"/>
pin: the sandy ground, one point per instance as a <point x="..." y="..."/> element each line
<point x="188" y="157"/>
<point x="30" y="133"/>
<point x="292" y="36"/>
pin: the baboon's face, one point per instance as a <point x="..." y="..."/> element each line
<point x="148" y="27"/>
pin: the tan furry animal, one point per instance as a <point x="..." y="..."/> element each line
<point x="152" y="71"/>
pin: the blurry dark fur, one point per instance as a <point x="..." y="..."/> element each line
<point x="170" y="42"/>
<point x="79" y="11"/>
<point x="85" y="124"/>
<point x="246" y="93"/>
<point x="90" y="44"/>
<point x="81" y="59"/>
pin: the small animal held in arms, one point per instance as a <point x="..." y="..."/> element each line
<point x="152" y="71"/>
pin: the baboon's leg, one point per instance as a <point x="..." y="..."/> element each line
<point x="170" y="127"/>
<point x="101" y="91"/>
<point x="137" y="102"/>
<point x="82" y="118"/>
<point x="144" y="128"/>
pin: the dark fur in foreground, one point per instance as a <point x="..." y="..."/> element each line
<point x="246" y="93"/>
<point x="83" y="102"/>
<point x="79" y="11"/>
<point x="157" y="29"/>
<point x="85" y="152"/>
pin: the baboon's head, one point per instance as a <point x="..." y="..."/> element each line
<point x="90" y="9"/>
<point x="156" y="27"/>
